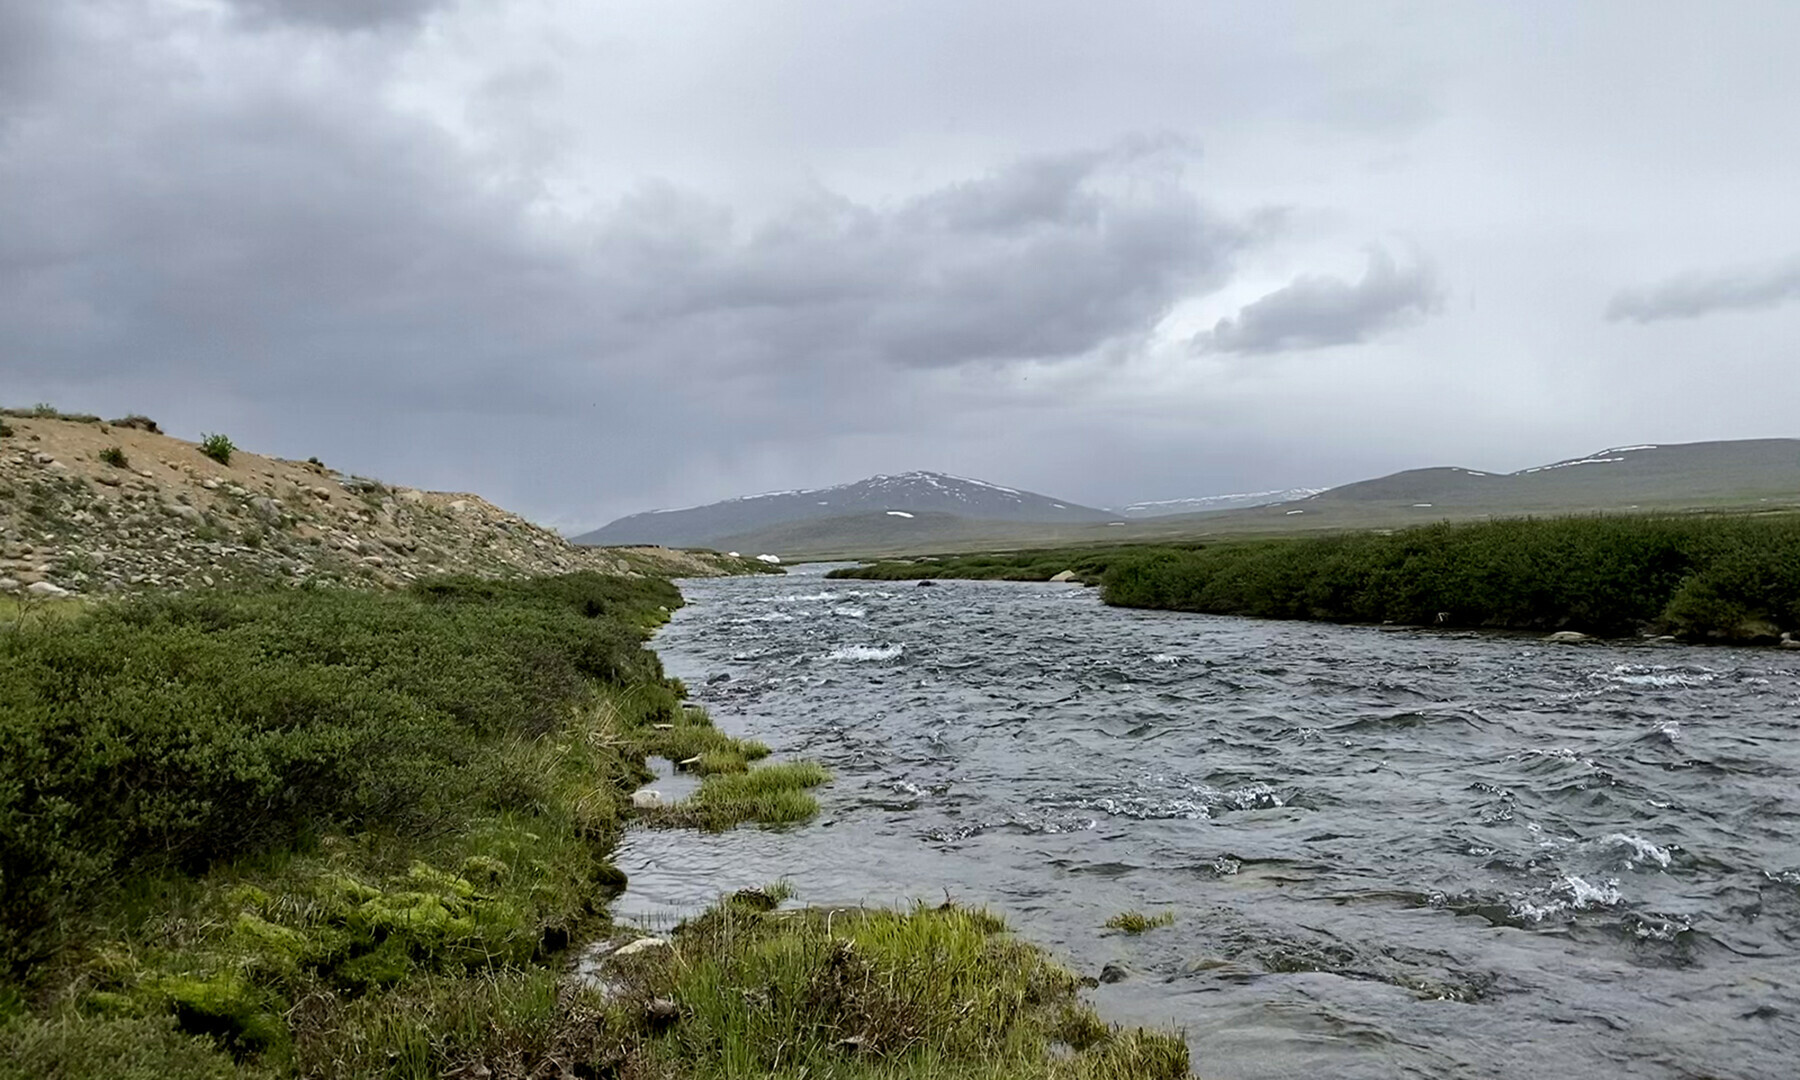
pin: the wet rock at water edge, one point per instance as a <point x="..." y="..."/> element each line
<point x="1567" y="637"/>
<point x="1066" y="575"/>
<point x="643" y="944"/>
<point x="1114" y="973"/>
<point x="647" y="800"/>
<point x="924" y="582"/>
<point x="722" y="676"/>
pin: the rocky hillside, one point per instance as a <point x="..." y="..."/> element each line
<point x="89" y="506"/>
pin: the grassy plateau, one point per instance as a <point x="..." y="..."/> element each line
<point x="332" y="833"/>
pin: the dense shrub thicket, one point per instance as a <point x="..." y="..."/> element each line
<point x="1717" y="578"/>
<point x="173" y="732"/>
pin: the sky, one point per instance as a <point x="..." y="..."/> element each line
<point x="591" y="259"/>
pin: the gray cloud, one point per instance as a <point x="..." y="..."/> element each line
<point x="1317" y="310"/>
<point x="1693" y="295"/>
<point x="340" y="15"/>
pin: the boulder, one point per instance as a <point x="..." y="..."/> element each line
<point x="1567" y="637"/>
<point x="45" y="589"/>
<point x="647" y="799"/>
<point x="9" y="584"/>
<point x="187" y="513"/>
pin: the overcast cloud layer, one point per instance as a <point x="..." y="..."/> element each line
<point x="588" y="260"/>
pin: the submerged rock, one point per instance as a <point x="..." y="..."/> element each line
<point x="1567" y="637"/>
<point x="923" y="582"/>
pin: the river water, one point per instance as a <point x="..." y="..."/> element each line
<point x="1388" y="853"/>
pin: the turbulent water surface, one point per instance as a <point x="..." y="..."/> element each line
<point x="1388" y="853"/>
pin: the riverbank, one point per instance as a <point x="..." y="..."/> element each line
<point x="325" y="832"/>
<point x="1710" y="578"/>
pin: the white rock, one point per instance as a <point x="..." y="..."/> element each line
<point x="647" y="800"/>
<point x="1567" y="636"/>
<point x="772" y="560"/>
<point x="44" y="588"/>
<point x="9" y="584"/>
<point x="643" y="944"/>
<point x="1066" y="575"/>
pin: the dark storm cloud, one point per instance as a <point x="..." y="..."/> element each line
<point x="266" y="236"/>
<point x="1317" y="310"/>
<point x="1046" y="259"/>
<point x="336" y="14"/>
<point x="1693" y="295"/>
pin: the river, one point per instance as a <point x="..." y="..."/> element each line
<point x="1389" y="853"/>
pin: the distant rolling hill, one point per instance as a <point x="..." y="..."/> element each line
<point x="969" y="515"/>
<point x="1740" y="474"/>
<point x="1207" y="503"/>
<point x="717" y="524"/>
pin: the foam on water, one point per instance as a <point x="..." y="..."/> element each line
<point x="864" y="653"/>
<point x="1642" y="851"/>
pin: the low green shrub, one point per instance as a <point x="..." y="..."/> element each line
<point x="115" y="457"/>
<point x="1723" y="578"/>
<point x="170" y="733"/>
<point x="217" y="447"/>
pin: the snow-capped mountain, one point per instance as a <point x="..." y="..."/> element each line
<point x="1239" y="501"/>
<point x="906" y="493"/>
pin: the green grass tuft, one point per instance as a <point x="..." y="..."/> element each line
<point x="854" y="993"/>
<point x="1136" y="922"/>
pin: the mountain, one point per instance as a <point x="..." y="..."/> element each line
<point x="893" y="497"/>
<point x="1205" y="503"/>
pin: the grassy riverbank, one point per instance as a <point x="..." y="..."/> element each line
<point x="1088" y="564"/>
<point x="340" y="833"/>
<point x="1712" y="578"/>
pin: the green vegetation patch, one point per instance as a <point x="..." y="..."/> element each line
<point x="1136" y="922"/>
<point x="1727" y="578"/>
<point x="173" y="733"/>
<point x="1088" y="564"/>
<point x="1708" y="578"/>
<point x="690" y="740"/>
<point x="854" y="993"/>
